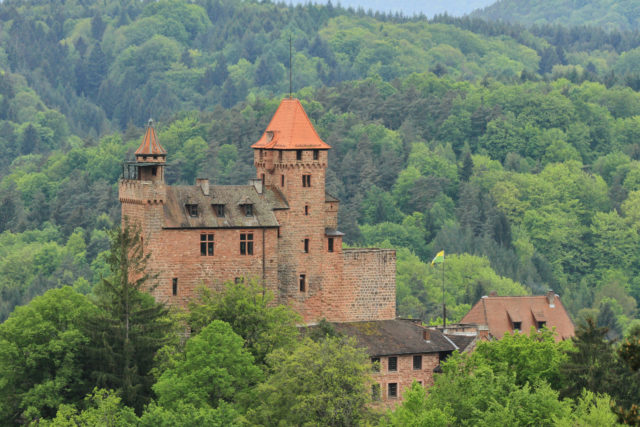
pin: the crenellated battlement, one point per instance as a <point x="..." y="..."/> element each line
<point x="141" y="192"/>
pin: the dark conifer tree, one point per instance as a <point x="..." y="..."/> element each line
<point x="30" y="140"/>
<point x="467" y="167"/>
<point x="130" y="326"/>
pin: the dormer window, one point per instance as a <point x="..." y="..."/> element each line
<point x="192" y="210"/>
<point x="517" y="326"/>
<point x="248" y="210"/>
<point x="219" y="210"/>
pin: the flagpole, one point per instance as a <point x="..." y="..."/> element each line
<point x="444" y="310"/>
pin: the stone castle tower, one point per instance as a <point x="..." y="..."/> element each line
<point x="280" y="229"/>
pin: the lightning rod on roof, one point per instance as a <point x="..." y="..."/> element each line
<point x="290" y="64"/>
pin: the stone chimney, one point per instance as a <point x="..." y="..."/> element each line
<point x="426" y="334"/>
<point x="551" y="298"/>
<point x="204" y="185"/>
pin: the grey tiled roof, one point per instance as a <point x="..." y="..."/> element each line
<point x="391" y="337"/>
<point x="231" y="196"/>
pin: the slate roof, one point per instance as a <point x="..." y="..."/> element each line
<point x="499" y="313"/>
<point x="461" y="341"/>
<point x="150" y="144"/>
<point x="394" y="337"/>
<point x="290" y="129"/>
<point x="231" y="196"/>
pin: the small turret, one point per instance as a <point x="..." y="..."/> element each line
<point x="150" y="157"/>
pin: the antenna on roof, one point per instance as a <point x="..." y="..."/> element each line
<point x="290" y="64"/>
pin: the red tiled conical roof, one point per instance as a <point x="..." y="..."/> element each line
<point x="150" y="144"/>
<point x="290" y="129"/>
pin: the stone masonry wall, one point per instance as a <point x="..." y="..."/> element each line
<point x="176" y="254"/>
<point x="368" y="286"/>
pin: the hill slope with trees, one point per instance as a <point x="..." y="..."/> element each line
<point x="515" y="150"/>
<point x="608" y="14"/>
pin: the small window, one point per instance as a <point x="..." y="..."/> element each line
<point x="206" y="244"/>
<point x="375" y="364"/>
<point x="280" y="155"/>
<point x="517" y="325"/>
<point x="393" y="364"/>
<point x="417" y="363"/>
<point x="246" y="244"/>
<point x="306" y="209"/>
<point x="306" y="246"/>
<point x="174" y="289"/>
<point x="303" y="283"/>
<point x="154" y="170"/>
<point x="541" y="324"/>
<point x="219" y="210"/>
<point x="192" y="210"/>
<point x="248" y="210"/>
<point x="316" y="154"/>
<point x="261" y="154"/>
<point x="298" y="154"/>
<point x="392" y="390"/>
<point x="237" y="280"/>
<point x="306" y="180"/>
<point x="155" y="157"/>
<point x="375" y="392"/>
<point x="330" y="244"/>
<point x="419" y="382"/>
<point x="281" y="180"/>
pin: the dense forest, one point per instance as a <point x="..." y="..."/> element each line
<point x="609" y="14"/>
<point x="515" y="149"/>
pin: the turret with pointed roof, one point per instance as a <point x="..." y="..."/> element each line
<point x="150" y="149"/>
<point x="290" y="129"/>
<point x="150" y="156"/>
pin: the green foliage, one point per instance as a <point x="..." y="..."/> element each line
<point x="42" y="356"/>
<point x="533" y="357"/>
<point x="248" y="309"/>
<point x="214" y="368"/>
<point x="323" y="383"/>
<point x="130" y="326"/>
<point x="105" y="408"/>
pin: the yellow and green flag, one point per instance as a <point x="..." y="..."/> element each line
<point x="439" y="258"/>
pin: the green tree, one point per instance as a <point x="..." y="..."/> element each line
<point x="130" y="326"/>
<point x="103" y="408"/>
<point x="318" y="383"/>
<point x="214" y="368"/>
<point x="248" y="308"/>
<point x="42" y="356"/>
<point x="532" y="357"/>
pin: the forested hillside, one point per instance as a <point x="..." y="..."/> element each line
<point x="514" y="150"/>
<point x="609" y="14"/>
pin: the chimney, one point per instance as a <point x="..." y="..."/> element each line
<point x="258" y="184"/>
<point x="204" y="184"/>
<point x="493" y="294"/>
<point x="426" y="334"/>
<point x="551" y="298"/>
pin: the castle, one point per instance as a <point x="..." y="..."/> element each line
<point x="280" y="229"/>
